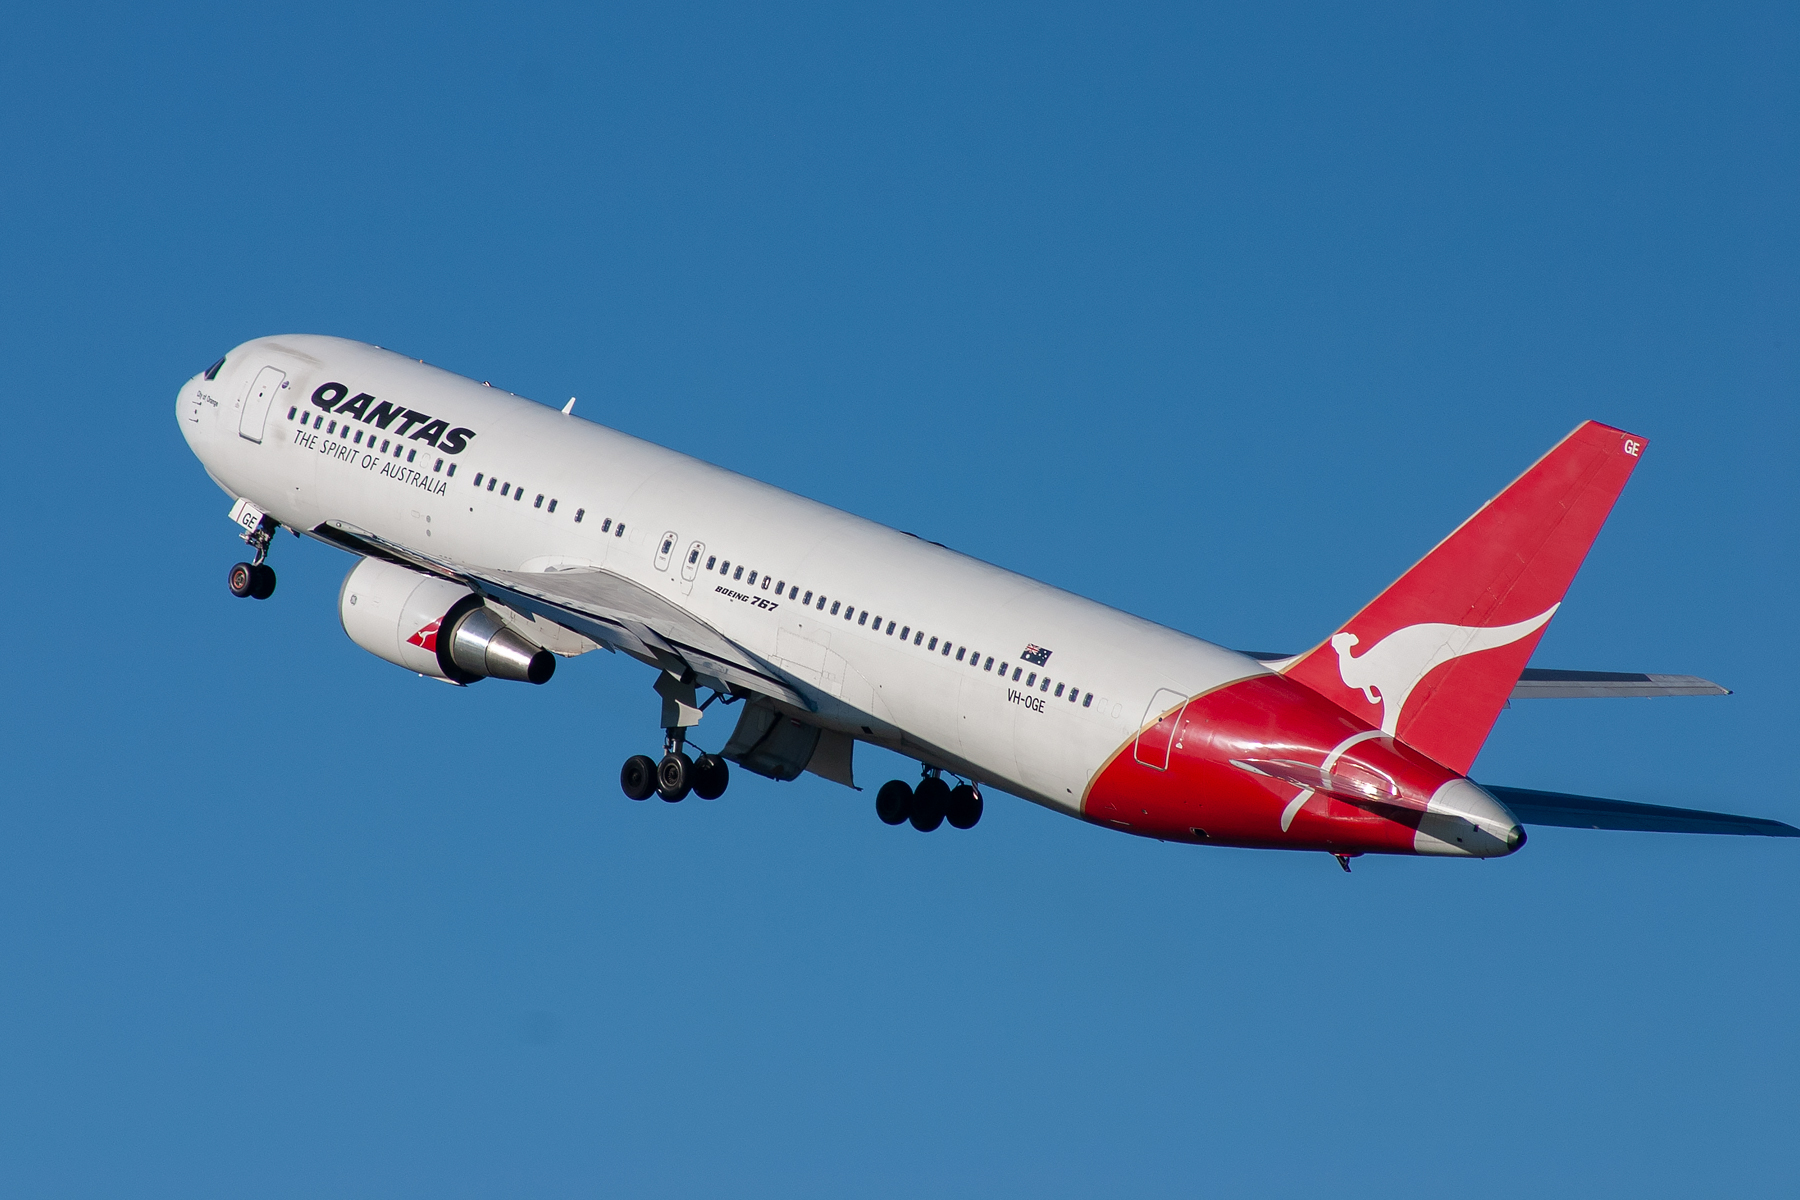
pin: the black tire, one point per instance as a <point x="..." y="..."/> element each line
<point x="674" y="777"/>
<point x="638" y="776"/>
<point x="263" y="585"/>
<point x="964" y="807"/>
<point x="711" y="776"/>
<point x="241" y="580"/>
<point x="928" y="802"/>
<point x="893" y="803"/>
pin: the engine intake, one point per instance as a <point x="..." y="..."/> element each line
<point x="434" y="627"/>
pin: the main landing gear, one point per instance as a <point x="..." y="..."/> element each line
<point x="675" y="775"/>
<point x="255" y="580"/>
<point x="930" y="804"/>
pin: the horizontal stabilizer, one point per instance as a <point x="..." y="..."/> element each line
<point x="1548" y="683"/>
<point x="1588" y="812"/>
<point x="1541" y="683"/>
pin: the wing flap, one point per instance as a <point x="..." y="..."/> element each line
<point x="1590" y="812"/>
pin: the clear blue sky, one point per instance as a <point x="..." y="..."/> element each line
<point x="1220" y="319"/>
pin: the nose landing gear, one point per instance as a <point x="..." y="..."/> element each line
<point x="255" y="579"/>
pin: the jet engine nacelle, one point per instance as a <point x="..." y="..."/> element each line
<point x="434" y="627"/>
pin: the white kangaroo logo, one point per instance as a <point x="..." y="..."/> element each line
<point x="1390" y="669"/>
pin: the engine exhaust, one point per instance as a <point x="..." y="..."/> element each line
<point x="482" y="646"/>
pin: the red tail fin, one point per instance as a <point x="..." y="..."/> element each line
<point x="1433" y="658"/>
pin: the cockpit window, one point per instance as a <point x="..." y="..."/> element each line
<point x="212" y="372"/>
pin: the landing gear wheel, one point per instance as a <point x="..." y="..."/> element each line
<point x="964" y="807"/>
<point x="929" y="800"/>
<point x="710" y="776"/>
<point x="674" y="777"/>
<point x="242" y="580"/>
<point x="638" y="776"/>
<point x="262" y="584"/>
<point x="893" y="803"/>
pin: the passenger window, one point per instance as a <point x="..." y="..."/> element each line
<point x="990" y="663"/>
<point x="552" y="506"/>
<point x="1088" y="701"/>
<point x="1073" y="692"/>
<point x="331" y="429"/>
<point x="848" y="612"/>
<point x="1059" y="690"/>
<point x="606" y="525"/>
<point x="890" y="629"/>
<point x="504" y="488"/>
<point x="712" y="560"/>
<point x="620" y="531"/>
<point x="491" y="482"/>
<point x="1046" y="686"/>
<point x="752" y="580"/>
<point x="1018" y="671"/>
<point x="919" y="637"/>
<point x="807" y="599"/>
<point x="291" y="411"/>
<point x="357" y="440"/>
<point x="781" y="587"/>
<point x="821" y="604"/>
<point x="1003" y="670"/>
<point x="905" y="632"/>
<point x="693" y="555"/>
<point x="739" y="574"/>
<point x="452" y="471"/>
<point x="518" y="494"/>
<point x="439" y="466"/>
<point x="864" y="619"/>
<point x="946" y="647"/>
<point x="959" y="653"/>
<point x="1032" y="680"/>
<point x="835" y="606"/>
<point x="725" y="567"/>
<point x="539" y="502"/>
<point x="668" y="543"/>
<point x="933" y="645"/>
<point x="765" y="583"/>
<point x="478" y="479"/>
<point x="411" y="454"/>
<point x="580" y="513"/>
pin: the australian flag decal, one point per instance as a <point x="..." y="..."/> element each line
<point x="1037" y="656"/>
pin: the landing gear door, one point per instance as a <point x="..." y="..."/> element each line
<point x="263" y="390"/>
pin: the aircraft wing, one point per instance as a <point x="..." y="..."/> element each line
<point x="1543" y="683"/>
<point x="600" y="605"/>
<point x="1589" y="812"/>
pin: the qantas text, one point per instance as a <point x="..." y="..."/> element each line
<point x="415" y="426"/>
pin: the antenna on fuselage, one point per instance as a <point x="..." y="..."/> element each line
<point x="569" y="407"/>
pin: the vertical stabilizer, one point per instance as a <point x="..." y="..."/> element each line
<point x="1433" y="658"/>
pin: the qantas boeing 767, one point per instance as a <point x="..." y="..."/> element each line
<point x="495" y="534"/>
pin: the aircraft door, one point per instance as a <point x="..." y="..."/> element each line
<point x="664" y="549"/>
<point x="1152" y="746"/>
<point x="690" y="566"/>
<point x="263" y="389"/>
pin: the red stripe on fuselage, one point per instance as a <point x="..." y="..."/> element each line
<point x="1265" y="718"/>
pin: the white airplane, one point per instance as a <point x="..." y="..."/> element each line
<point x="495" y="534"/>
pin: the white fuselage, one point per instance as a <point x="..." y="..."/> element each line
<point x="953" y="710"/>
